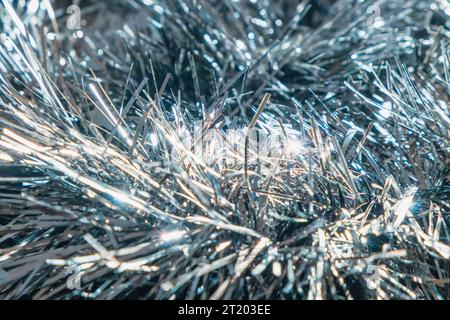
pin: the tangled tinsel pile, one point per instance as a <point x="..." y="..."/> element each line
<point x="113" y="186"/>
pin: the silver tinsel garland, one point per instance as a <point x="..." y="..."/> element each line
<point x="224" y="149"/>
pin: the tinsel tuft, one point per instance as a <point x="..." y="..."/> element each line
<point x="224" y="149"/>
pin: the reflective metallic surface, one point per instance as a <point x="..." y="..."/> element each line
<point x="224" y="149"/>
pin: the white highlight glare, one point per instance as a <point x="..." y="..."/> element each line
<point x="276" y="269"/>
<point x="385" y="112"/>
<point x="172" y="235"/>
